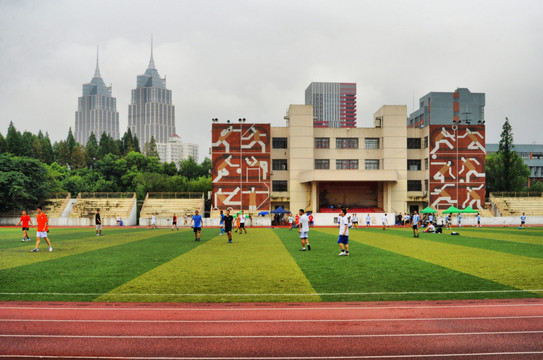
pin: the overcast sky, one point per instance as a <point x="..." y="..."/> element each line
<point x="232" y="59"/>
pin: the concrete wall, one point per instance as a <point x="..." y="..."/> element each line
<point x="208" y="222"/>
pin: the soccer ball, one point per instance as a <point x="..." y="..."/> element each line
<point x="520" y="227"/>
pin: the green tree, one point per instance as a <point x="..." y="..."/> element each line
<point x="91" y="151"/>
<point x="151" y="148"/>
<point x="127" y="143"/>
<point x="136" y="159"/>
<point x="13" y="140"/>
<point x="169" y="168"/>
<point x="505" y="170"/>
<point x="3" y="145"/>
<point x="189" y="168"/>
<point x="47" y="148"/>
<point x="62" y="153"/>
<point x="107" y="146"/>
<point x="70" y="141"/>
<point x="27" y="140"/>
<point x="78" y="160"/>
<point x="136" y="143"/>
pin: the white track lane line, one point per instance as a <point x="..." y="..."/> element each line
<point x="273" y="321"/>
<point x="124" y="337"/>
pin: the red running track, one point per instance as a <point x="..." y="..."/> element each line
<point x="495" y="329"/>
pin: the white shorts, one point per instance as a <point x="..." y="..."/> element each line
<point x="303" y="234"/>
<point x="41" y="234"/>
<point x="98" y="227"/>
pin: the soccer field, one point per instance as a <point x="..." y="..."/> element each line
<point x="143" y="265"/>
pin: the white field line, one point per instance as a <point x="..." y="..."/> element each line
<point x="276" y="294"/>
<point x="413" y="356"/>
<point x="293" y="308"/>
<point x="155" y="337"/>
<point x="272" y="321"/>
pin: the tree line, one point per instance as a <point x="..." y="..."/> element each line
<point x="32" y="168"/>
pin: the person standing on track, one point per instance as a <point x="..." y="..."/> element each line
<point x="42" y="230"/>
<point x="303" y="230"/>
<point x="354" y="220"/>
<point x="25" y="219"/>
<point x="197" y="219"/>
<point x="479" y="220"/>
<point x="416" y="221"/>
<point x="522" y="221"/>
<point x="384" y="221"/>
<point x="153" y="221"/>
<point x="98" y="223"/>
<point x="174" y="222"/>
<point x="228" y="220"/>
<point x="343" y="239"/>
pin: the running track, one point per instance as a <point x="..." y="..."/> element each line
<point x="495" y="329"/>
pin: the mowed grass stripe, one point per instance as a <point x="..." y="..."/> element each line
<point x="255" y="263"/>
<point x="76" y="241"/>
<point x="94" y="272"/>
<point x="376" y="271"/>
<point x="512" y="234"/>
<point x="512" y="270"/>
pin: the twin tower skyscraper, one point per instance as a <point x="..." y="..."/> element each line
<point x="150" y="112"/>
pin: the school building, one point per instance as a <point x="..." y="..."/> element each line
<point x="390" y="167"/>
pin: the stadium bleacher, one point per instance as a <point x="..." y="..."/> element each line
<point x="515" y="206"/>
<point x="111" y="205"/>
<point x="166" y="204"/>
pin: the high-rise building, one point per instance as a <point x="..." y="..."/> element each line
<point x="334" y="104"/>
<point x="151" y="113"/>
<point x="176" y="150"/>
<point x="96" y="111"/>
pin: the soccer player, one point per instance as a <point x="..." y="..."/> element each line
<point x="384" y="221"/>
<point x="430" y="219"/>
<point x="416" y="220"/>
<point x="197" y="219"/>
<point x="118" y="219"/>
<point x="303" y="230"/>
<point x="522" y="221"/>
<point x="297" y="220"/>
<point x="290" y="222"/>
<point x="354" y="220"/>
<point x="228" y="220"/>
<point x="174" y="222"/>
<point x="221" y="223"/>
<point x="153" y="221"/>
<point x="459" y="220"/>
<point x="311" y="223"/>
<point x="343" y="239"/>
<point x="242" y="223"/>
<point x="25" y="219"/>
<point x="448" y="221"/>
<point x="98" y="223"/>
<point x="368" y="220"/>
<point x="42" y="221"/>
<point x="186" y="218"/>
<point x="478" y="219"/>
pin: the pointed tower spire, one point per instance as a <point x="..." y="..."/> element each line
<point x="151" y="61"/>
<point x="97" y="71"/>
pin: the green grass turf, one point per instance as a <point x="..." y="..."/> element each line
<point x="266" y="265"/>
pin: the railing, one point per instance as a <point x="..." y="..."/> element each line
<point x="517" y="194"/>
<point x="175" y="195"/>
<point x="106" y="195"/>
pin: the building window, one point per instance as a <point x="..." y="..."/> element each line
<point x="426" y="164"/>
<point x="413" y="143"/>
<point x="322" y="164"/>
<point x="322" y="143"/>
<point x="413" y="165"/>
<point x="414" y="185"/>
<point x="371" y="164"/>
<point x="279" y="185"/>
<point x="279" y="164"/>
<point x="347" y="143"/>
<point x="426" y="142"/>
<point x="371" y="143"/>
<point x="426" y="185"/>
<point x="346" y="164"/>
<point x="279" y="143"/>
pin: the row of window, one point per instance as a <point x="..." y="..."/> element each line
<point x="415" y="143"/>
<point x="369" y="164"/>
<point x="412" y="185"/>
<point x="324" y="143"/>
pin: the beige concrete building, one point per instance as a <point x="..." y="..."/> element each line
<point x="320" y="169"/>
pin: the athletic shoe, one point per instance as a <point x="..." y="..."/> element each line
<point x="342" y="253"/>
<point x="346" y="254"/>
<point x="308" y="247"/>
<point x="34" y="250"/>
<point x="23" y="240"/>
<point x="302" y="249"/>
<point x="230" y="241"/>
<point x="50" y="249"/>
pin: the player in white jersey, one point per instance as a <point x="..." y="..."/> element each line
<point x="303" y="229"/>
<point x="354" y="221"/>
<point x="343" y="239"/>
<point x="384" y="221"/>
<point x="368" y="220"/>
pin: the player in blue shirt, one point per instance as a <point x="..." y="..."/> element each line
<point x="197" y="219"/>
<point x="416" y="221"/>
<point x="478" y="220"/>
<point x="459" y="220"/>
<point x="522" y="221"/>
<point x="222" y="222"/>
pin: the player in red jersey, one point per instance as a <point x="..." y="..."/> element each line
<point x="41" y="219"/>
<point x="25" y="219"/>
